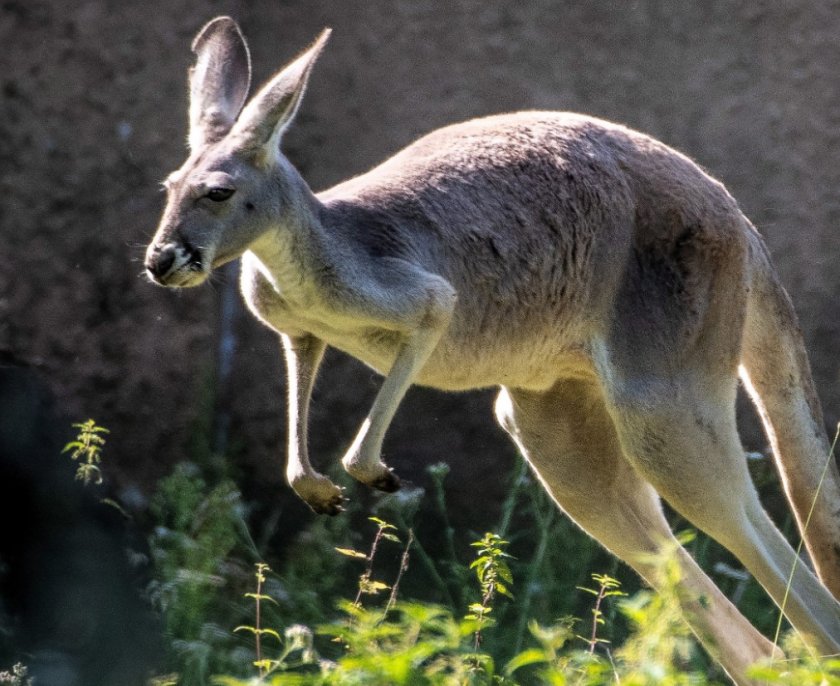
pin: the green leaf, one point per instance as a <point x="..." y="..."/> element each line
<point x="349" y="552"/>
<point x="501" y="588"/>
<point x="504" y="571"/>
<point x="119" y="508"/>
<point x="764" y="673"/>
<point x="372" y="587"/>
<point x="269" y="632"/>
<point x="531" y="656"/>
<point x="381" y="523"/>
<point x="260" y="596"/>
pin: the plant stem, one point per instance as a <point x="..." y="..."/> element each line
<point x="403" y="569"/>
<point x="509" y="504"/>
<point x="257" y="622"/>
<point x="429" y="564"/>
<point x="545" y="520"/>
<point x="596" y="613"/>
<point x="368" y="574"/>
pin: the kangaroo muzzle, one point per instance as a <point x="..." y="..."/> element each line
<point x="173" y="264"/>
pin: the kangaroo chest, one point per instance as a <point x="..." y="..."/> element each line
<point x="469" y="355"/>
<point x="307" y="313"/>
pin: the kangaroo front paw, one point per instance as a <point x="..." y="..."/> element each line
<point x="364" y="465"/>
<point x="321" y="494"/>
<point x="387" y="482"/>
<point x="377" y="476"/>
<point x="382" y="479"/>
<point x="331" y="507"/>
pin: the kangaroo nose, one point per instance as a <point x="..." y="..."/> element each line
<point x="160" y="261"/>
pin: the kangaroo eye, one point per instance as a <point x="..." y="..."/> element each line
<point x="219" y="194"/>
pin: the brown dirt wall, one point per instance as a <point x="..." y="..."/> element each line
<point x="92" y="117"/>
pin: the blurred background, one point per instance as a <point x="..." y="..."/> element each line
<point x="93" y="103"/>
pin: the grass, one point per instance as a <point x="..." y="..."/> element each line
<point x="335" y="612"/>
<point x="412" y="643"/>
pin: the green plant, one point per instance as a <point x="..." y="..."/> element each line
<point x="296" y="644"/>
<point x="367" y="584"/>
<point x="453" y="578"/>
<point x="607" y="588"/>
<point x="258" y="630"/>
<point x="801" y="668"/>
<point x="658" y="651"/>
<point x="661" y="645"/>
<point x="423" y="644"/>
<point x="418" y="639"/>
<point x="87" y="451"/>
<point x="393" y="641"/>
<point x="541" y="539"/>
<point x="493" y="575"/>
<point x="197" y="526"/>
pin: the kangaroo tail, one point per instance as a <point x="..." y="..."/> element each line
<point x="777" y="375"/>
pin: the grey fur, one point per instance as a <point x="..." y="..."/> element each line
<point x="603" y="280"/>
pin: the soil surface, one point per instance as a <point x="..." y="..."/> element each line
<point x="93" y="116"/>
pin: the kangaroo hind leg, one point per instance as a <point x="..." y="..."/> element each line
<point x="679" y="432"/>
<point x="572" y="445"/>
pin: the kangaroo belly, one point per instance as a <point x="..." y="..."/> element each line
<point x="521" y="347"/>
<point x="532" y="365"/>
<point x="457" y="364"/>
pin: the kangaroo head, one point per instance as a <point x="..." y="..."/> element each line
<point x="235" y="185"/>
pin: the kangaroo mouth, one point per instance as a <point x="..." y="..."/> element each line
<point x="183" y="266"/>
<point x="177" y="265"/>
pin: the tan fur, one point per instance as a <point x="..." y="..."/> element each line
<point x="606" y="283"/>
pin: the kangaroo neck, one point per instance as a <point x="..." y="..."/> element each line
<point x="296" y="249"/>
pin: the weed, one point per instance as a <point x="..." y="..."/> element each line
<point x="801" y="668"/>
<point x="607" y="588"/>
<point x="367" y="584"/>
<point x="296" y="644"/>
<point x="197" y="528"/>
<point x="257" y="630"/>
<point x="87" y="451"/>
<point x="494" y="577"/>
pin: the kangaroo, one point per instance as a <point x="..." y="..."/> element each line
<point x="611" y="289"/>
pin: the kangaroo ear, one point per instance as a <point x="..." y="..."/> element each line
<point x="219" y="81"/>
<point x="271" y="110"/>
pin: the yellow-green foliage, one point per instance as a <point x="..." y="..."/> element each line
<point x="421" y="644"/>
<point x="86" y="450"/>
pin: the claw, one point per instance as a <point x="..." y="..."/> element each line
<point x="321" y="494"/>
<point x="388" y="482"/>
<point x="331" y="507"/>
